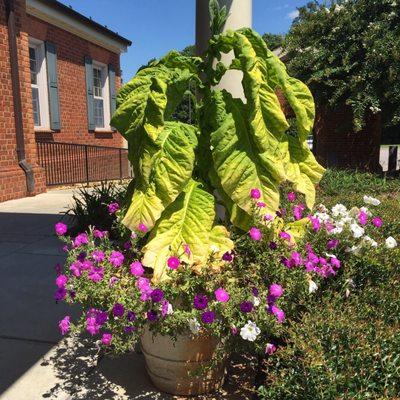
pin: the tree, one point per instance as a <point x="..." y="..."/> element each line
<point x="273" y="40"/>
<point x="349" y="52"/>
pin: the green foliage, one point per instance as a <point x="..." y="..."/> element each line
<point x="236" y="146"/>
<point x="90" y="206"/>
<point x="343" y="348"/>
<point x="273" y="40"/>
<point x="349" y="52"/>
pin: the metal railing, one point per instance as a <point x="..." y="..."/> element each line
<point x="70" y="163"/>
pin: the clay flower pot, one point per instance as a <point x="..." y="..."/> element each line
<point x="177" y="367"/>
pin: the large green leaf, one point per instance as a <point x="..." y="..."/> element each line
<point x="153" y="94"/>
<point x="166" y="168"/>
<point x="235" y="155"/>
<point x="258" y="128"/>
<point x="187" y="221"/>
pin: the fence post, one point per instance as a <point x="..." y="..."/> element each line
<point x="120" y="165"/>
<point x="87" y="165"/>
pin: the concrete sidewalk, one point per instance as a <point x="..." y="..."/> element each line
<point x="35" y="362"/>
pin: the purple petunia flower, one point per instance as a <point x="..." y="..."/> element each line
<point x="173" y="262"/>
<point x="255" y="234"/>
<point x="130" y="316"/>
<point x="60" y="228"/>
<point x="118" y="310"/>
<point x="295" y="259"/>
<point x="315" y="222"/>
<point x="285" y="236"/>
<point x="166" y="308"/>
<point x="61" y="281"/>
<point x="137" y="268"/>
<point x="98" y="256"/>
<point x="96" y="274"/>
<point x="157" y="295"/>
<point x="261" y="204"/>
<point x="116" y="258"/>
<point x="335" y="262"/>
<point x="152" y="315"/>
<point x="227" y="256"/>
<point x="64" y="324"/>
<point x="129" y="329"/>
<point x="99" y="234"/>
<point x="76" y="268"/>
<point x="81" y="239"/>
<point x="92" y="326"/>
<point x="60" y="294"/>
<point x="255" y="193"/>
<point x="332" y="244"/>
<point x="106" y="339"/>
<point x="113" y="207"/>
<point x="273" y="245"/>
<point x="279" y="314"/>
<point x="246" y="306"/>
<point x="255" y="291"/>
<point x="275" y="291"/>
<point x="208" y="317"/>
<point x="221" y="295"/>
<point x="298" y="211"/>
<point x="200" y="301"/>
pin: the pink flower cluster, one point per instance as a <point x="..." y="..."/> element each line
<point x="274" y="293"/>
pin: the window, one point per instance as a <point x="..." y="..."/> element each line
<point x="101" y="98"/>
<point x="37" y="64"/>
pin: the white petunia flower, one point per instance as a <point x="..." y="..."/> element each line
<point x="357" y="230"/>
<point x="256" y="301"/>
<point x="170" y="309"/>
<point x="353" y="249"/>
<point x="370" y="241"/>
<point x="214" y="248"/>
<point x="194" y="326"/>
<point x="339" y="209"/>
<point x="371" y="200"/>
<point x="312" y="286"/>
<point x="391" y="242"/>
<point x="250" y="331"/>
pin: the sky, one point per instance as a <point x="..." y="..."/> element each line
<point x="158" y="26"/>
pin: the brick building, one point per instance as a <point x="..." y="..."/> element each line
<point x="59" y="72"/>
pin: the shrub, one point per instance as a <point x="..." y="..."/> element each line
<point x="343" y="348"/>
<point x="348" y="52"/>
<point x="91" y="206"/>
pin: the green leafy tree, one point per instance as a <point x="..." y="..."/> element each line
<point x="273" y="40"/>
<point x="235" y="146"/>
<point x="349" y="52"/>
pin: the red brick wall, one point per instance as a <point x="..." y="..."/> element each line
<point x="12" y="177"/>
<point x="336" y="143"/>
<point x="71" y="51"/>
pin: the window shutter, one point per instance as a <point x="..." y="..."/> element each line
<point x="89" y="92"/>
<point x="54" y="104"/>
<point x="113" y="96"/>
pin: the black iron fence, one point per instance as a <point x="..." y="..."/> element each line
<point x="69" y="163"/>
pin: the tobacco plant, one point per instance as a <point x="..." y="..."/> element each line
<point x="182" y="171"/>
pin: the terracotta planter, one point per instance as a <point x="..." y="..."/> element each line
<point x="171" y="364"/>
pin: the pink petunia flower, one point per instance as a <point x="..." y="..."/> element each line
<point x="106" y="339"/>
<point x="377" y="222"/>
<point x="60" y="228"/>
<point x="291" y="196"/>
<point x="255" y="193"/>
<point x="137" y="268"/>
<point x="222" y="295"/>
<point x="173" y="262"/>
<point x="255" y="234"/>
<point x="64" y="324"/>
<point x="142" y="228"/>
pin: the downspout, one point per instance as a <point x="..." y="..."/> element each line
<point x="19" y="130"/>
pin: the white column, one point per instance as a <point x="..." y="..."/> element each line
<point x="240" y="15"/>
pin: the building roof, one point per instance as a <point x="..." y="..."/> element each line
<point x="59" y="14"/>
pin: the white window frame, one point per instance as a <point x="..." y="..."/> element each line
<point x="42" y="84"/>
<point x="105" y="96"/>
